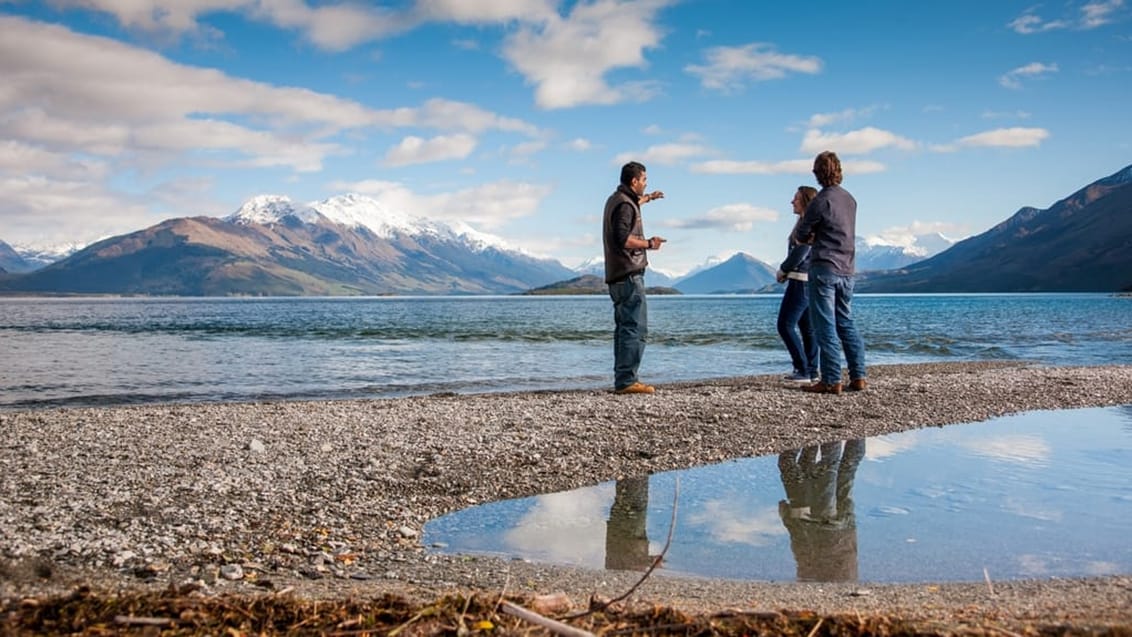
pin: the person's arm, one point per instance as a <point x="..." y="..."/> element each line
<point x="797" y="255"/>
<point x="623" y="218"/>
<point x="804" y="230"/>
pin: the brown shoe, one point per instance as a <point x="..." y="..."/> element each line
<point x="636" y="388"/>
<point x="857" y="384"/>
<point x="822" y="388"/>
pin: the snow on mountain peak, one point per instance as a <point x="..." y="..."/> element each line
<point x="269" y="209"/>
<point x="355" y="210"/>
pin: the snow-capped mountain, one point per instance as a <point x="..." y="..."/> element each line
<point x="26" y="258"/>
<point x="878" y="253"/>
<point x="346" y="245"/>
<point x="358" y="211"/>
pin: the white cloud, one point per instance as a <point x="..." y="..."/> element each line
<point x="1095" y="14"/>
<point x="664" y="154"/>
<point x="856" y="142"/>
<point x="1017" y="449"/>
<point x="442" y="114"/>
<point x="821" y="120"/>
<point x="726" y="521"/>
<point x="489" y="205"/>
<point x="730" y="68"/>
<point x="1029" y="23"/>
<point x="738" y="217"/>
<point x="1091" y="15"/>
<point x="1006" y="115"/>
<point x="788" y="167"/>
<point x="1012" y="79"/>
<point x="416" y="150"/>
<point x="1005" y="138"/>
<point x="495" y="11"/>
<point x="579" y="144"/>
<point x="732" y="167"/>
<point x="567" y="58"/>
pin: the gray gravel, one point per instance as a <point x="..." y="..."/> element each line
<point x="328" y="499"/>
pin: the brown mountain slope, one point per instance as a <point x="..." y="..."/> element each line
<point x="1082" y="243"/>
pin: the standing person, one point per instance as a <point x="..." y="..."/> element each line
<point x="625" y="244"/>
<point x="830" y="224"/>
<point x="794" y="312"/>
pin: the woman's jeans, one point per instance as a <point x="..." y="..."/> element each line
<point x="630" y="314"/>
<point x="831" y="301"/>
<point x="794" y="317"/>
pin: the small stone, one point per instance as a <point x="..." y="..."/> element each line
<point x="407" y="532"/>
<point x="256" y="446"/>
<point x="232" y="572"/>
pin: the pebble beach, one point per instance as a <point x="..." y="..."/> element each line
<point x="327" y="500"/>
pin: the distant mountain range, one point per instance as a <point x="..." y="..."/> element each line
<point x="346" y="245"/>
<point x="1082" y="243"/>
<point x="351" y="245"/>
<point x="875" y="254"/>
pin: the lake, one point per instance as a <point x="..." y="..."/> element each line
<point x="102" y="351"/>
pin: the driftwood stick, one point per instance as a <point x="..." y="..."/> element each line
<point x="552" y="625"/>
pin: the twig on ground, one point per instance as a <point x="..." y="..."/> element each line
<point x="986" y="576"/>
<point x="552" y="625"/>
<point x="814" y="630"/>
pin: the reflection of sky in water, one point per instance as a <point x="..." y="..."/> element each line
<point x="1033" y="495"/>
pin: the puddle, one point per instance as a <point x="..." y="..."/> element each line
<point x="1035" y="495"/>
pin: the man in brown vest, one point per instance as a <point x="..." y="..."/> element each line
<point x="625" y="244"/>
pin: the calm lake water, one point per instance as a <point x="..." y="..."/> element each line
<point x="125" y="350"/>
<point x="1040" y="494"/>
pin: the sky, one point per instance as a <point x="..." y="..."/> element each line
<point x="515" y="116"/>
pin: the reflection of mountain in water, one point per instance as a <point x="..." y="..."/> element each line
<point x="818" y="509"/>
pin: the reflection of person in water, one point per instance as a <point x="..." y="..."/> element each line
<point x="818" y="509"/>
<point x="626" y="535"/>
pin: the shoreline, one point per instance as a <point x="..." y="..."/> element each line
<point x="327" y="499"/>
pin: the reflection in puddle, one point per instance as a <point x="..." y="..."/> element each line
<point x="1035" y="495"/>
<point x="818" y="510"/>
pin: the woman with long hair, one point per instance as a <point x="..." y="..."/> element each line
<point x="793" y="314"/>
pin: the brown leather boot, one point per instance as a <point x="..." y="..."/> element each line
<point x="857" y="384"/>
<point x="822" y="388"/>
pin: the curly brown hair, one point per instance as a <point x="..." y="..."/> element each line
<point x="827" y="169"/>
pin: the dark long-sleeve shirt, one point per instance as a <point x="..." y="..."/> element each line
<point x="832" y="220"/>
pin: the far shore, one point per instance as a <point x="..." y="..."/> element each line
<point x="327" y="499"/>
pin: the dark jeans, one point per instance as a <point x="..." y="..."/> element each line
<point x="630" y="313"/>
<point x="831" y="304"/>
<point x="794" y="318"/>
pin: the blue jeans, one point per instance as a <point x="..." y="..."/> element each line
<point x="794" y="317"/>
<point x="630" y="314"/>
<point x="831" y="301"/>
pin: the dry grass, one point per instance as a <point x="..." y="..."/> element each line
<point x="186" y="612"/>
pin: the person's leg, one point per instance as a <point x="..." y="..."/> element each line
<point x="847" y="330"/>
<point x="809" y="343"/>
<point x="631" y="319"/>
<point x="790" y="314"/>
<point x="822" y="299"/>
